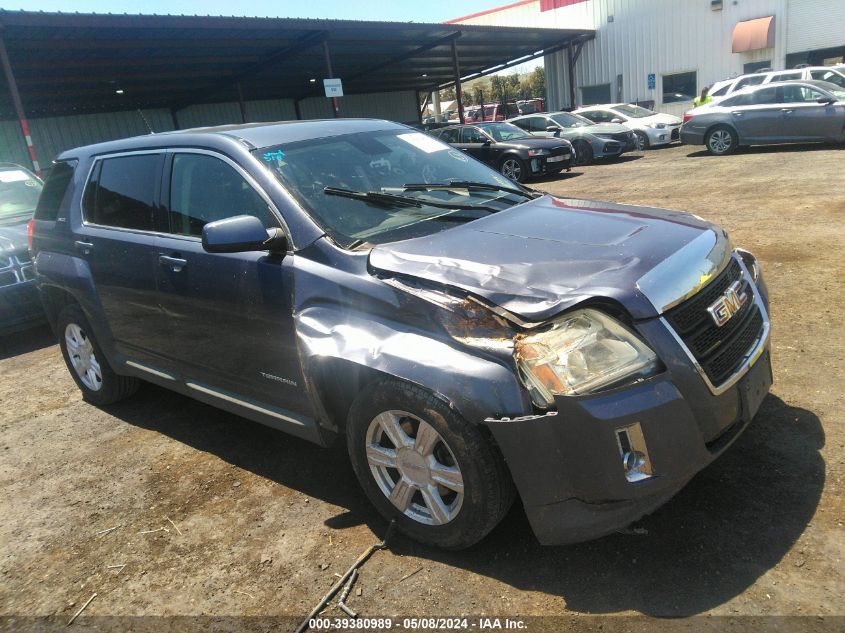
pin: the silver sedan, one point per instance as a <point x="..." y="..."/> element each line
<point x="788" y="112"/>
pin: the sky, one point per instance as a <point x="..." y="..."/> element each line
<point x="388" y="10"/>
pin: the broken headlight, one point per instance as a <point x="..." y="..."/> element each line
<point x="582" y="352"/>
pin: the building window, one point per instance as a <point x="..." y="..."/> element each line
<point x="679" y="87"/>
<point x="753" y="67"/>
<point x="591" y="95"/>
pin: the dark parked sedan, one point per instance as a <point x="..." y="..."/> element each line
<point x="19" y="303"/>
<point x="515" y="153"/>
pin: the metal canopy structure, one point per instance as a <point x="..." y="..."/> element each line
<point x="82" y="63"/>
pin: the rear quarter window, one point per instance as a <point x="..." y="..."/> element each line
<point x="55" y="189"/>
<point x="122" y="192"/>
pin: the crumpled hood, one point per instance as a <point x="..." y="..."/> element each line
<point x="541" y="257"/>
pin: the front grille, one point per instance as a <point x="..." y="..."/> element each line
<point x="719" y="350"/>
<point x="676" y="134"/>
<point x="622" y="137"/>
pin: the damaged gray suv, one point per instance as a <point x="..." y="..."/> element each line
<point x="470" y="338"/>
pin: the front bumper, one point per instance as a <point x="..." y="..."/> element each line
<point x="549" y="164"/>
<point x="662" y="136"/>
<point x="569" y="467"/>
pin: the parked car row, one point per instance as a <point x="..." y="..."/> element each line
<point x="783" y="112"/>
<point x="831" y="74"/>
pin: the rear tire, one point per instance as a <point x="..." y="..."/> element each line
<point x="423" y="465"/>
<point x="583" y="152"/>
<point x="642" y="141"/>
<point x="721" y="140"/>
<point x="86" y="362"/>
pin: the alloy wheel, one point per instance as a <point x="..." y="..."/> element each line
<point x="414" y="467"/>
<point x="720" y="141"/>
<point x="512" y="169"/>
<point x="80" y="350"/>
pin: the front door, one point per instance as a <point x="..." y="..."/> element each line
<point x="804" y="118"/>
<point x="477" y="145"/>
<point x="231" y="318"/>
<point x="117" y="239"/>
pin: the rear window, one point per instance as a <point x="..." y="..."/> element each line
<point x="122" y="192"/>
<point x="54" y="191"/>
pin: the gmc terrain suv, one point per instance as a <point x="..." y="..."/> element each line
<point x="471" y="338"/>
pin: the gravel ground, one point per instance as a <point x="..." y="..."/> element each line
<point x="242" y="520"/>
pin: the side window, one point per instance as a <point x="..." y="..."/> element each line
<point x="785" y="77"/>
<point x="765" y="96"/>
<point x="451" y="135"/>
<point x="122" y="192"/>
<point x="594" y="115"/>
<point x="204" y="189"/>
<point x="721" y="91"/>
<point x="738" y="100"/>
<point x="473" y="135"/>
<point x="800" y="94"/>
<point x="54" y="191"/>
<point x="525" y="124"/>
<point x="753" y="80"/>
<point x="829" y="75"/>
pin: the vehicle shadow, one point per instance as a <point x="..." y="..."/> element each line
<point x="733" y="522"/>
<point x="625" y="158"/>
<point x="25" y="341"/>
<point x="736" y="519"/>
<point x="772" y="149"/>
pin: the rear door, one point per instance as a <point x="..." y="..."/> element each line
<point x="804" y="118"/>
<point x="230" y="315"/>
<point x="760" y="120"/>
<point x="118" y="238"/>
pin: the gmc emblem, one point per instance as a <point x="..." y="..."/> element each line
<point x="728" y="304"/>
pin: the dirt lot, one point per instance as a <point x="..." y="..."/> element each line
<point x="265" y="520"/>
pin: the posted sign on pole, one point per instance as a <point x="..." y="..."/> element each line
<point x="652" y="81"/>
<point x="333" y="87"/>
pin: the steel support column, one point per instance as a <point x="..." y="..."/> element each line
<point x="330" y="75"/>
<point x="16" y="100"/>
<point x="241" y="103"/>
<point x="458" y="92"/>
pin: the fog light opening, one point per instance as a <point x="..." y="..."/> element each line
<point x="636" y="463"/>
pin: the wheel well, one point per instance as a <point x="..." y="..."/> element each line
<point x="54" y="299"/>
<point x="337" y="383"/>
<point x="727" y="126"/>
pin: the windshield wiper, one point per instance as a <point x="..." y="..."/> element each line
<point x="376" y="197"/>
<point x="379" y="197"/>
<point x="470" y="185"/>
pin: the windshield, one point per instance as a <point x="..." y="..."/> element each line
<point x="19" y="193"/>
<point x="633" y="111"/>
<point x="567" y="119"/>
<point x="504" y="131"/>
<point x="383" y="161"/>
<point x="835" y="90"/>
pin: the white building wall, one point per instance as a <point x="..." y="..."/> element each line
<point x="814" y="24"/>
<point x="670" y="36"/>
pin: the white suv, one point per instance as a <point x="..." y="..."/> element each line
<point x="834" y="75"/>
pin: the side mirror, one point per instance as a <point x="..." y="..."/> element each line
<point x="826" y="100"/>
<point x="486" y="142"/>
<point x="553" y="129"/>
<point x="241" y="234"/>
<point x="617" y="121"/>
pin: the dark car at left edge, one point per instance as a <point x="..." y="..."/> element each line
<point x="20" y="305"/>
<point x="511" y="151"/>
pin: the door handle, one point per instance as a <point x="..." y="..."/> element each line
<point x="787" y="110"/>
<point x="176" y="264"/>
<point x="84" y="247"/>
<point x="737" y="113"/>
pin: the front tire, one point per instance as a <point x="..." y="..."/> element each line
<point x="423" y="465"/>
<point x="583" y="152"/>
<point x="86" y="362"/>
<point x="513" y="168"/>
<point x="721" y="140"/>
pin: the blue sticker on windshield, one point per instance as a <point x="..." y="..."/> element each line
<point x="276" y="156"/>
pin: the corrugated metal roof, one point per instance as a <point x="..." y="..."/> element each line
<point x="66" y="63"/>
